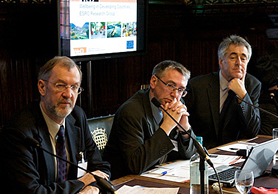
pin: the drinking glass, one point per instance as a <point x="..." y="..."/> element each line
<point x="275" y="133"/>
<point x="244" y="180"/>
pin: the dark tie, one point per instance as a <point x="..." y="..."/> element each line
<point x="223" y="115"/>
<point x="61" y="151"/>
<point x="227" y="103"/>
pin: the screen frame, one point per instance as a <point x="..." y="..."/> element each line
<point x="142" y="26"/>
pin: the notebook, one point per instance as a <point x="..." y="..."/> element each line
<point x="258" y="160"/>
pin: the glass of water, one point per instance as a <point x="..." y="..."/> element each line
<point x="244" y="180"/>
<point x="275" y="133"/>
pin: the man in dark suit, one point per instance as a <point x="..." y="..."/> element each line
<point x="30" y="170"/>
<point x="215" y="112"/>
<point x="142" y="135"/>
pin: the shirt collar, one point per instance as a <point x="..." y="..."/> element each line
<point x="223" y="82"/>
<point x="157" y="113"/>
<point x="52" y="126"/>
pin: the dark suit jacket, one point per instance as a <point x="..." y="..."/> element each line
<point x="203" y="101"/>
<point x="30" y="170"/>
<point x="135" y="145"/>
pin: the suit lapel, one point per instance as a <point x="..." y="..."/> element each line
<point x="213" y="95"/>
<point x="46" y="144"/>
<point x="148" y="111"/>
<point x="74" y="142"/>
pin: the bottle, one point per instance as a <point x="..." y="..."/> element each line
<point x="195" y="186"/>
<point x="200" y="140"/>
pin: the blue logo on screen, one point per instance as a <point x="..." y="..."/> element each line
<point x="129" y="44"/>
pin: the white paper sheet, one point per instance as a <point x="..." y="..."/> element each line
<point x="179" y="171"/>
<point x="143" y="190"/>
<point x="235" y="147"/>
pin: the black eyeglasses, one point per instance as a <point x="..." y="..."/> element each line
<point x="172" y="88"/>
<point x="60" y="87"/>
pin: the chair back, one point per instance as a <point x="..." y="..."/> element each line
<point x="100" y="128"/>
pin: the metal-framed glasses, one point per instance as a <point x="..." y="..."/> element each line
<point x="172" y="88"/>
<point x="60" y="87"/>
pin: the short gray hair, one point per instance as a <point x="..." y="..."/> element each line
<point x="45" y="71"/>
<point x="163" y="66"/>
<point x="236" y="40"/>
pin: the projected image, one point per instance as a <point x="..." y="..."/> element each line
<point x="78" y="32"/>
<point x="129" y="29"/>
<point x="113" y="29"/>
<point x="97" y="30"/>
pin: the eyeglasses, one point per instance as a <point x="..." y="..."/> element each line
<point x="172" y="88"/>
<point x="62" y="87"/>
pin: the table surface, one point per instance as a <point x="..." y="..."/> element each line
<point x="267" y="180"/>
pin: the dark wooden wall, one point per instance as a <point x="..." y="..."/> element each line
<point x="175" y="31"/>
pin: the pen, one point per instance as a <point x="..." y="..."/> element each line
<point x="163" y="173"/>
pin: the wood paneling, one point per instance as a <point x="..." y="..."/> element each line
<point x="174" y="32"/>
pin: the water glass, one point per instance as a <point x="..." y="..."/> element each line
<point x="275" y="133"/>
<point x="244" y="180"/>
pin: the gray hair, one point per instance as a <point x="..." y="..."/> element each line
<point x="163" y="66"/>
<point x="235" y="40"/>
<point x="45" y="71"/>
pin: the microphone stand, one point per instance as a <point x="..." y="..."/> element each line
<point x="200" y="150"/>
<point x="102" y="182"/>
<point x="261" y="109"/>
<point x="202" y="174"/>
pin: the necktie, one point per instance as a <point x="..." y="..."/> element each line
<point x="223" y="115"/>
<point x="61" y="151"/>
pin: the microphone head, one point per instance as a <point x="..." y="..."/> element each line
<point x="156" y="102"/>
<point x="32" y="142"/>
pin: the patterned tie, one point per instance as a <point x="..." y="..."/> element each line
<point x="61" y="151"/>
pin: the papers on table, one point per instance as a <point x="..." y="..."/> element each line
<point x="235" y="147"/>
<point x="179" y="171"/>
<point x="225" y="160"/>
<point x="142" y="190"/>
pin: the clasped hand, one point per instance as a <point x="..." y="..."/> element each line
<point x="237" y="85"/>
<point x="179" y="112"/>
<point x="88" y="179"/>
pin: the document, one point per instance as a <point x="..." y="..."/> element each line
<point x="237" y="146"/>
<point x="179" y="171"/>
<point x="150" y="190"/>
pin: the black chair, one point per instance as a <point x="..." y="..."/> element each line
<point x="100" y="128"/>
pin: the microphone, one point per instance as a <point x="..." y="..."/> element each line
<point x="198" y="146"/>
<point x="261" y="109"/>
<point x="203" y="154"/>
<point x="101" y="182"/>
<point x="272" y="96"/>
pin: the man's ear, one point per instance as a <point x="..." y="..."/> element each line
<point x="220" y="61"/>
<point x="153" y="82"/>
<point x="41" y="87"/>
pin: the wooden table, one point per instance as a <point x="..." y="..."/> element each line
<point x="131" y="180"/>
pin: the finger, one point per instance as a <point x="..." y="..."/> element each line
<point x="173" y="103"/>
<point x="183" y="111"/>
<point x="165" y="106"/>
<point x="101" y="174"/>
<point x="177" y="105"/>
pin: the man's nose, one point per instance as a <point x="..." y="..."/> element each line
<point x="68" y="92"/>
<point x="175" y="93"/>
<point x="239" y="61"/>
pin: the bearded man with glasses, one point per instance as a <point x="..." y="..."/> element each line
<point x="143" y="136"/>
<point x="61" y="128"/>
